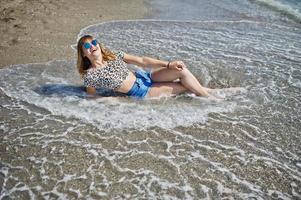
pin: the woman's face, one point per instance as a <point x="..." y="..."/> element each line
<point x="91" y="50"/>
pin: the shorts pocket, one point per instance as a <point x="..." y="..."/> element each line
<point x="144" y="77"/>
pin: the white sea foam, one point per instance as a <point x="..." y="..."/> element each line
<point x="283" y="8"/>
<point x="112" y="112"/>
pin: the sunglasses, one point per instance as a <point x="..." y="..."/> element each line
<point x="87" y="45"/>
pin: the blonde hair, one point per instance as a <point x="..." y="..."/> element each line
<point x="83" y="63"/>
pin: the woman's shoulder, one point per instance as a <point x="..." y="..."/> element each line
<point x="119" y="54"/>
<point x="90" y="78"/>
<point x="88" y="73"/>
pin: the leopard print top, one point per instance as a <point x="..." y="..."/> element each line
<point x="110" y="76"/>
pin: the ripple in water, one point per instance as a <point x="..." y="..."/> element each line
<point x="57" y="143"/>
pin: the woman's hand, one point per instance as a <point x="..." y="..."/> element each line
<point x="177" y="64"/>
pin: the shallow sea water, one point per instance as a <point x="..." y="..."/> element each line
<point x="58" y="144"/>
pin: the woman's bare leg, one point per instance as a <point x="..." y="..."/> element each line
<point x="170" y="88"/>
<point x="187" y="79"/>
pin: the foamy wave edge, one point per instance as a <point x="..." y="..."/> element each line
<point x="282" y="8"/>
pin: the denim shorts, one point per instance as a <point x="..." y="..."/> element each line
<point x="142" y="84"/>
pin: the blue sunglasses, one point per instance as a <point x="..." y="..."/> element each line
<point x="87" y="45"/>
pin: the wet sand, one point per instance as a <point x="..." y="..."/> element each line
<point x="40" y="31"/>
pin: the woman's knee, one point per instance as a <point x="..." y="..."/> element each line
<point x="184" y="72"/>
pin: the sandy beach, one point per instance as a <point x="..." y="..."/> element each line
<point x="40" y="31"/>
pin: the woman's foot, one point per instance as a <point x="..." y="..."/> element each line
<point x="213" y="94"/>
<point x="222" y="93"/>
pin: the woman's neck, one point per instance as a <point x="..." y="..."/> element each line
<point x="98" y="63"/>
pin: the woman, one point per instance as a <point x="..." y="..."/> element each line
<point x="100" y="67"/>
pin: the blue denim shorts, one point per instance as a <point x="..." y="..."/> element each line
<point x="142" y="84"/>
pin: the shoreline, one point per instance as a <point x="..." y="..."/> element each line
<point x="36" y="32"/>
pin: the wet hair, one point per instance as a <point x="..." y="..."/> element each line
<point x="83" y="62"/>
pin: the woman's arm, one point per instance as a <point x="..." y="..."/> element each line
<point x="91" y="91"/>
<point x="145" y="62"/>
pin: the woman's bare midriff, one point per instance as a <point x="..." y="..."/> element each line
<point x="128" y="83"/>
